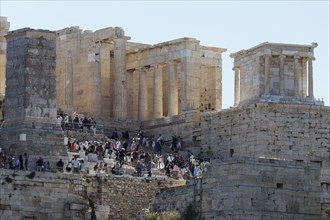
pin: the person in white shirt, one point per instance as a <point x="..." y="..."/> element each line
<point x="75" y="164"/>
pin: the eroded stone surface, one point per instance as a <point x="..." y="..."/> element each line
<point x="248" y="188"/>
<point x="30" y="107"/>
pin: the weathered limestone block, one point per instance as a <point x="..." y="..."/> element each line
<point x="59" y="196"/>
<point x="244" y="194"/>
<point x="30" y="119"/>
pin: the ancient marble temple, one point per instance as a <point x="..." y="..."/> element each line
<point x="101" y="73"/>
<point x="274" y="72"/>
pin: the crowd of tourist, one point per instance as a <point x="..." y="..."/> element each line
<point x="76" y="123"/>
<point x="143" y="153"/>
<point x="10" y="162"/>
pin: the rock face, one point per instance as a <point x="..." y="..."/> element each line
<point x="30" y="108"/>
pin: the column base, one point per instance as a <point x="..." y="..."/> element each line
<point x="283" y="100"/>
<point x="38" y="137"/>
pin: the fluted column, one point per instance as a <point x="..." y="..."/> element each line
<point x="120" y="99"/>
<point x="296" y="75"/>
<point x="281" y="75"/>
<point x="310" y="77"/>
<point x="96" y="100"/>
<point x="267" y="73"/>
<point x="143" y="92"/>
<point x="304" y="76"/>
<point x="172" y="89"/>
<point x="218" y="88"/>
<point x="158" y="91"/>
<point x="237" y="85"/>
<point x="135" y="93"/>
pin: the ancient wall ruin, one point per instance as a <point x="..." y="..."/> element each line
<point x="290" y="132"/>
<point x="44" y="195"/>
<point x="249" y="188"/>
<point x="282" y="131"/>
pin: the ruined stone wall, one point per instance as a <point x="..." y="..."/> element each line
<point x="67" y="196"/>
<point x="292" y="132"/>
<point x="245" y="188"/>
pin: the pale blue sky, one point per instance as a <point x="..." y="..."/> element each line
<point x="234" y="25"/>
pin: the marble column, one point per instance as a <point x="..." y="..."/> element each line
<point x="120" y="99"/>
<point x="135" y="94"/>
<point x="310" y="77"/>
<point x="218" y="88"/>
<point x="281" y="75"/>
<point x="96" y="107"/>
<point x="267" y="74"/>
<point x="105" y="72"/>
<point x="237" y="85"/>
<point x="68" y="81"/>
<point x="190" y="83"/>
<point x="296" y="75"/>
<point x="158" y="91"/>
<point x="143" y="92"/>
<point x="172" y="88"/>
<point x="4" y="27"/>
<point x="304" y="77"/>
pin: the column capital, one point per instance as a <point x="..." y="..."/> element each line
<point x="267" y="55"/>
<point x="137" y="69"/>
<point x="235" y="68"/>
<point x="282" y="56"/>
<point x="296" y="57"/>
<point x="311" y="58"/>
<point x="130" y="70"/>
<point x="304" y="59"/>
<point x="172" y="62"/>
<point x="148" y="68"/>
<point x="124" y="38"/>
<point x="159" y="65"/>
